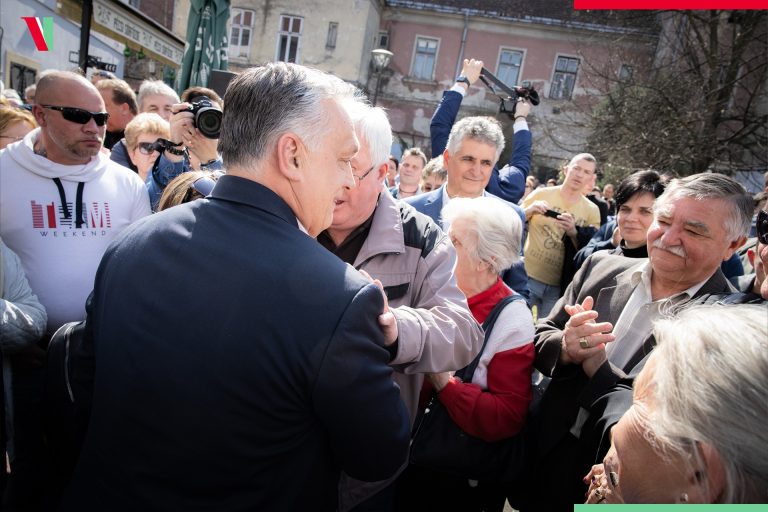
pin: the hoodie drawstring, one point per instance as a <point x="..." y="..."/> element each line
<point x="78" y="202"/>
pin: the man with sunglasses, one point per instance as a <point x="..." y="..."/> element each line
<point x="414" y="261"/>
<point x="62" y="202"/>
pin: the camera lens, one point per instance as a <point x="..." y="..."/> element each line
<point x="208" y="121"/>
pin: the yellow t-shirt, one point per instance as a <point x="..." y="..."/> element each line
<point x="544" y="250"/>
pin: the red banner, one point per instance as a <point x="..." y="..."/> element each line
<point x="670" y="4"/>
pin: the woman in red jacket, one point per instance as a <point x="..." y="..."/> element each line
<point x="493" y="404"/>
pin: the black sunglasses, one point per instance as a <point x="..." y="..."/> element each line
<point x="147" y="148"/>
<point x="762" y="227"/>
<point x="80" y="116"/>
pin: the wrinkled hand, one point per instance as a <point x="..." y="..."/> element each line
<point x="582" y="325"/>
<point x="387" y="320"/>
<point x="440" y="380"/>
<point x="536" y="207"/>
<point x="601" y="489"/>
<point x="471" y="69"/>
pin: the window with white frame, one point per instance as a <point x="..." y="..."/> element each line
<point x="424" y="57"/>
<point x="240" y="32"/>
<point x="288" y="38"/>
<point x="333" y="32"/>
<point x="564" y="79"/>
<point x="508" y="70"/>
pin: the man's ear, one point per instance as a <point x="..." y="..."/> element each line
<point x="733" y="247"/>
<point x="382" y="172"/>
<point x="37" y="111"/>
<point x="446" y="157"/>
<point x="290" y="156"/>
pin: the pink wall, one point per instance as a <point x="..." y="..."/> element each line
<point x="538" y="63"/>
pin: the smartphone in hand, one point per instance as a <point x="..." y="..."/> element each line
<point x="552" y="213"/>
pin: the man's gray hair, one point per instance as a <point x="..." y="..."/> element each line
<point x="496" y="226"/>
<point x="480" y="128"/>
<point x="265" y="102"/>
<point x="709" y="385"/>
<point x="152" y="87"/>
<point x="738" y="217"/>
<point x="373" y="125"/>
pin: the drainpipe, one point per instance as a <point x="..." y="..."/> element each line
<point x="460" y="62"/>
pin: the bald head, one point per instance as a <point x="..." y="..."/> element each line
<point x="67" y="137"/>
<point x="51" y="84"/>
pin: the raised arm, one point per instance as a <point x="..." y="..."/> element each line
<point x="509" y="181"/>
<point x="448" y="108"/>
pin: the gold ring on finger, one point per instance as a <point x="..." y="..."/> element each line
<point x="584" y="342"/>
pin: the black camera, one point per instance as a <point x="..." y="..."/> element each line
<point x="511" y="94"/>
<point x="207" y="116"/>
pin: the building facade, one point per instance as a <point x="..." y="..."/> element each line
<point x="553" y="49"/>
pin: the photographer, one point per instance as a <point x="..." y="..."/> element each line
<point x="508" y="182"/>
<point x="192" y="149"/>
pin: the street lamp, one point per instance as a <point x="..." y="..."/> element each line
<point x="381" y="60"/>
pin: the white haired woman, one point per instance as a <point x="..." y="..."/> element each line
<point x="493" y="402"/>
<point x="696" y="430"/>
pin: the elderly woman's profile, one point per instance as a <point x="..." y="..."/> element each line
<point x="696" y="430"/>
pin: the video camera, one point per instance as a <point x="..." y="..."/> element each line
<point x="207" y="116"/>
<point x="511" y="93"/>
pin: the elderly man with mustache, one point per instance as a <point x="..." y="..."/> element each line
<point x="600" y="330"/>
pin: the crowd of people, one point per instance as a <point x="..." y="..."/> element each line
<point x="259" y="315"/>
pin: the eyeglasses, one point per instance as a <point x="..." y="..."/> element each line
<point x="147" y="148"/>
<point x="358" y="179"/>
<point x="80" y="116"/>
<point x="762" y="227"/>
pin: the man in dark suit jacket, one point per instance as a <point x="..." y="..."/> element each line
<point x="240" y="365"/>
<point x="612" y="302"/>
<point x="472" y="150"/>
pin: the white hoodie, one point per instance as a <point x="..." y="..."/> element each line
<point x="60" y="260"/>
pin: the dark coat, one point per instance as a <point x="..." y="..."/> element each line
<point x="570" y="431"/>
<point x="239" y="366"/>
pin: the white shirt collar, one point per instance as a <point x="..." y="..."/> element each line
<point x="644" y="272"/>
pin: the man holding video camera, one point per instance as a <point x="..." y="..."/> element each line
<point x="508" y="182"/>
<point x="561" y="220"/>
